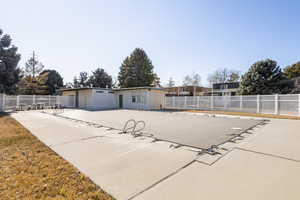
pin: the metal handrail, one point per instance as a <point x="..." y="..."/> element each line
<point x="125" y="129"/>
<point x="140" y="129"/>
<point x="132" y="129"/>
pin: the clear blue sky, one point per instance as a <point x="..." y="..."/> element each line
<point x="180" y="37"/>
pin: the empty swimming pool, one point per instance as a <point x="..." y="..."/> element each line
<point x="182" y="128"/>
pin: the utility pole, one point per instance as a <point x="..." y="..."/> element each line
<point x="33" y="65"/>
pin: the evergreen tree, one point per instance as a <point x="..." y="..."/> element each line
<point x="52" y="80"/>
<point x="83" y="79"/>
<point x="292" y="71"/>
<point x="75" y="82"/>
<point x="100" y="78"/>
<point x="137" y="71"/>
<point x="264" y="77"/>
<point x="10" y="74"/>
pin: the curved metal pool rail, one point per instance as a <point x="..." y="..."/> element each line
<point x="140" y="129"/>
<point x="126" y="129"/>
<point x="132" y="129"/>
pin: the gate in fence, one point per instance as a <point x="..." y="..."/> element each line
<point x="288" y="104"/>
<point x="9" y="102"/>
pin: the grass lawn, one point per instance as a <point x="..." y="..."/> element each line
<point x="30" y="170"/>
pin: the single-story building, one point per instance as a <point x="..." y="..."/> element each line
<point x="225" y="89"/>
<point x="142" y="98"/>
<point x="187" y="90"/>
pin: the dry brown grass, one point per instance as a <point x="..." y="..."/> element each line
<point x="245" y="114"/>
<point x="30" y="170"/>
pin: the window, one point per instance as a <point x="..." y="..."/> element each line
<point x="99" y="91"/>
<point x="133" y="99"/>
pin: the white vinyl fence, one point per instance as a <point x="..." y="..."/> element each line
<point x="288" y="104"/>
<point x="8" y="102"/>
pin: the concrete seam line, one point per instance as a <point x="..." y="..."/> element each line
<point x="77" y="140"/>
<point x="161" y="180"/>
<point x="260" y="123"/>
<point x="222" y="156"/>
<point x="267" y="154"/>
<point x="204" y="163"/>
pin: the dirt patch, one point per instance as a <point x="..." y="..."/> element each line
<point x="30" y="170"/>
<point x="245" y="114"/>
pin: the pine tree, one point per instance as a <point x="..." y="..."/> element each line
<point x="52" y="80"/>
<point x="264" y="77"/>
<point x="10" y="74"/>
<point x="292" y="71"/>
<point x="100" y="78"/>
<point x="137" y="70"/>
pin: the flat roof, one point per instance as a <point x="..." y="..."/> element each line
<point x="83" y="88"/>
<point x="112" y="89"/>
<point x="139" y="88"/>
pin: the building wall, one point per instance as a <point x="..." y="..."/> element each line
<point x="187" y="91"/>
<point x="141" y="95"/>
<point x="157" y="99"/>
<point x="97" y="99"/>
<point x="71" y="93"/>
<point x="68" y="93"/>
<point x="84" y="99"/>
<point x="103" y="99"/>
<point x="144" y="99"/>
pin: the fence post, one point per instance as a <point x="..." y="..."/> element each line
<point x="49" y="100"/>
<point x="185" y="102"/>
<point x="198" y="99"/>
<point x="258" y="104"/>
<point x="241" y="102"/>
<point x="18" y="101"/>
<point x="173" y="101"/>
<point x="3" y="102"/>
<point x="212" y="102"/>
<point x="276" y="104"/>
<point x="299" y="104"/>
<point x="33" y="99"/>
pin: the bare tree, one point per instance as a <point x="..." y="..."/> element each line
<point x="33" y="67"/>
<point x="171" y="82"/>
<point x="234" y="76"/>
<point x="192" y="80"/>
<point x="223" y="75"/>
<point x="196" y="79"/>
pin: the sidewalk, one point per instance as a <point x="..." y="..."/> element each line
<point x="264" y="166"/>
<point x="267" y="166"/>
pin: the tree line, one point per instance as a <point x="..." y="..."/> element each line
<point x="136" y="70"/>
<point x="262" y="77"/>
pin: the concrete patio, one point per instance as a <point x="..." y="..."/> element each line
<point x="264" y="165"/>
